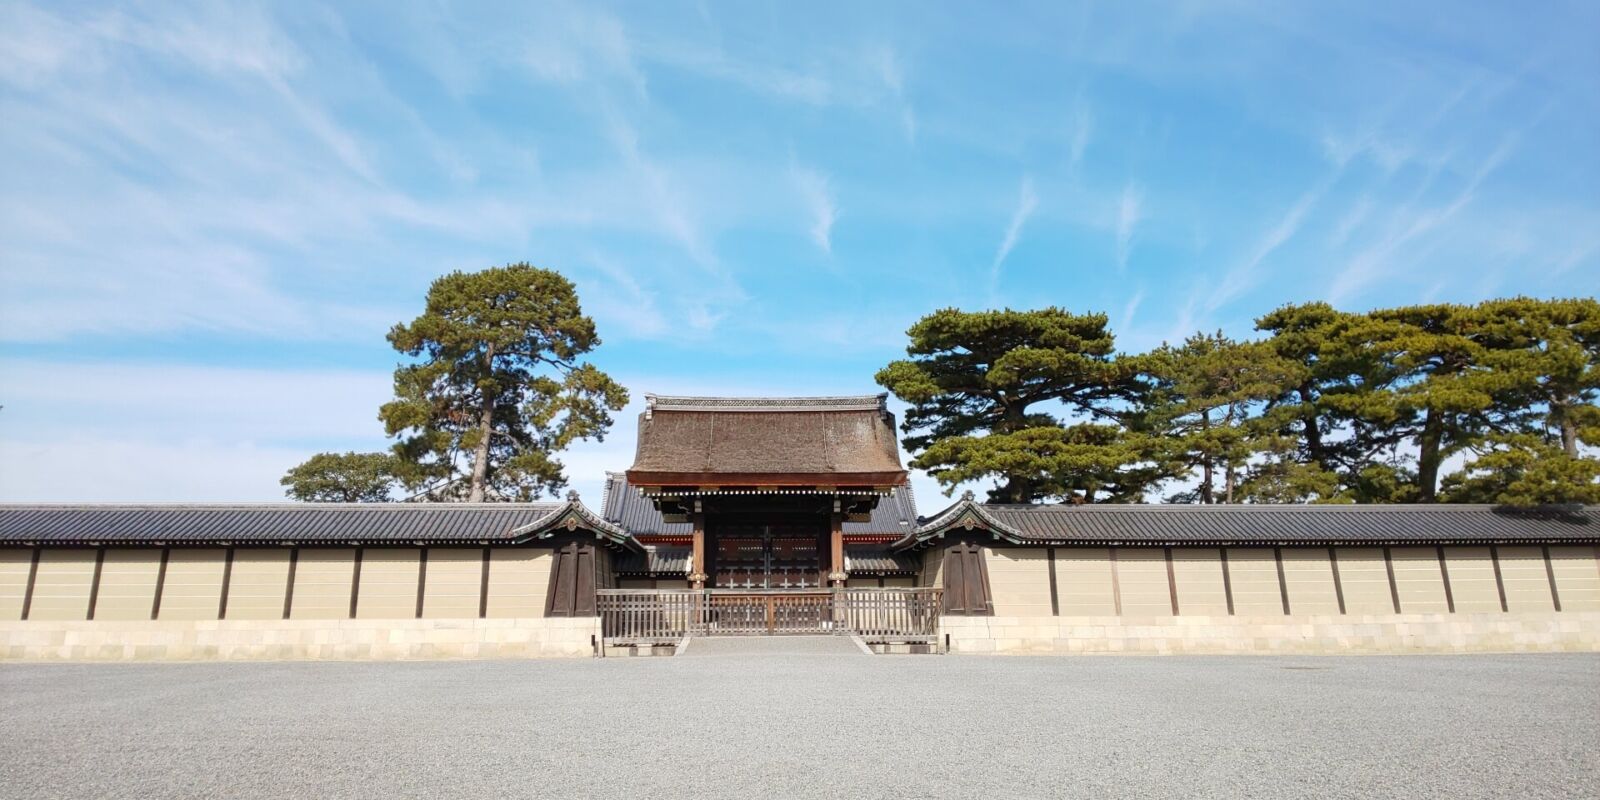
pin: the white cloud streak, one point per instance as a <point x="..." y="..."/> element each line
<point x="1027" y="203"/>
<point x="1130" y="210"/>
<point x="1246" y="273"/>
<point x="1366" y="267"/>
<point x="816" y="193"/>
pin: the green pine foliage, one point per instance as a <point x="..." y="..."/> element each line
<point x="495" y="388"/>
<point x="1497" y="402"/>
<point x="1039" y="401"/>
<point x="343" y="478"/>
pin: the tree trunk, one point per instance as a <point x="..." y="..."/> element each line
<point x="1013" y="418"/>
<point x="1312" y="433"/>
<point x="1227" y="464"/>
<point x="480" y="455"/>
<point x="1428" y="456"/>
<point x="1206" y="492"/>
<point x="1569" y="431"/>
<point x="1017" y="490"/>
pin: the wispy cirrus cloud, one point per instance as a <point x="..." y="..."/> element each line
<point x="892" y="71"/>
<point x="1130" y="209"/>
<point x="1246" y="273"/>
<point x="816" y="193"/>
<point x="1027" y="203"/>
<point x="1409" y="225"/>
<point x="1080" y="129"/>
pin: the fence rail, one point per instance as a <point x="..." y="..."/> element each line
<point x="640" y="616"/>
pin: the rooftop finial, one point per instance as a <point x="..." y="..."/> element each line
<point x="968" y="496"/>
<point x="572" y="495"/>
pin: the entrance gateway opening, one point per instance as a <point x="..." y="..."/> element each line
<point x="765" y="493"/>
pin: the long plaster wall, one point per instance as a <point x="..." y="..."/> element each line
<point x="334" y="602"/>
<point x="1288" y="599"/>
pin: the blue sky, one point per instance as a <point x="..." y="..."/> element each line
<point x="212" y="213"/>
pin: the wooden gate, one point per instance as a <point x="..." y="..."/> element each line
<point x="644" y="616"/>
<point x="736" y="613"/>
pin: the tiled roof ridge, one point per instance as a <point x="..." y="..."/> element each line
<point x="1271" y="507"/>
<point x="288" y="506"/>
<point x="1134" y="522"/>
<point x="865" y="402"/>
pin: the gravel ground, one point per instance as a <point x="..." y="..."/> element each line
<point x="809" y="725"/>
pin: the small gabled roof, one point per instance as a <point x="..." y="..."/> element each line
<point x="301" y="523"/>
<point x="1113" y="524"/>
<point x="767" y="441"/>
<point x="656" y="561"/>
<point x="862" y="559"/>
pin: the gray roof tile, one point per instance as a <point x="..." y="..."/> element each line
<point x="306" y="523"/>
<point x="1287" y="524"/>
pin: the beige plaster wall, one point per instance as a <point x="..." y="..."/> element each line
<point x="193" y="586"/>
<point x="322" y="580"/>
<point x="519" y="579"/>
<point x="1365" y="581"/>
<point x="1419" y="580"/>
<point x="388" y="583"/>
<point x="455" y="583"/>
<point x="128" y="583"/>
<point x="1472" y="579"/>
<point x="1577" y="572"/>
<point x="14" y="565"/>
<point x="1083" y="581"/>
<point x="1308" y="574"/>
<point x="258" y="584"/>
<point x="1142" y="579"/>
<point x="1198" y="573"/>
<point x="61" y="588"/>
<point x="1019" y="581"/>
<point x="1522" y="573"/>
<point x="1254" y="574"/>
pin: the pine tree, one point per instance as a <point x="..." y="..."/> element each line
<point x="1546" y="356"/>
<point x="499" y="387"/>
<point x="1214" y="392"/>
<point x="982" y="386"/>
<point x="1439" y="397"/>
<point x="343" y="478"/>
<point x="1524" y="470"/>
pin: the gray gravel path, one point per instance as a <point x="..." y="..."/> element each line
<point x="809" y="726"/>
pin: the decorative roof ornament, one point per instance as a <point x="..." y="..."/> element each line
<point x="967" y="496"/>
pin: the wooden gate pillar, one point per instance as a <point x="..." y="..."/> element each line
<point x="836" y="547"/>
<point x="697" y="568"/>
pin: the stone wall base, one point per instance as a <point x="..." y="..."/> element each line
<point x="1577" y="631"/>
<point x="349" y="639"/>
